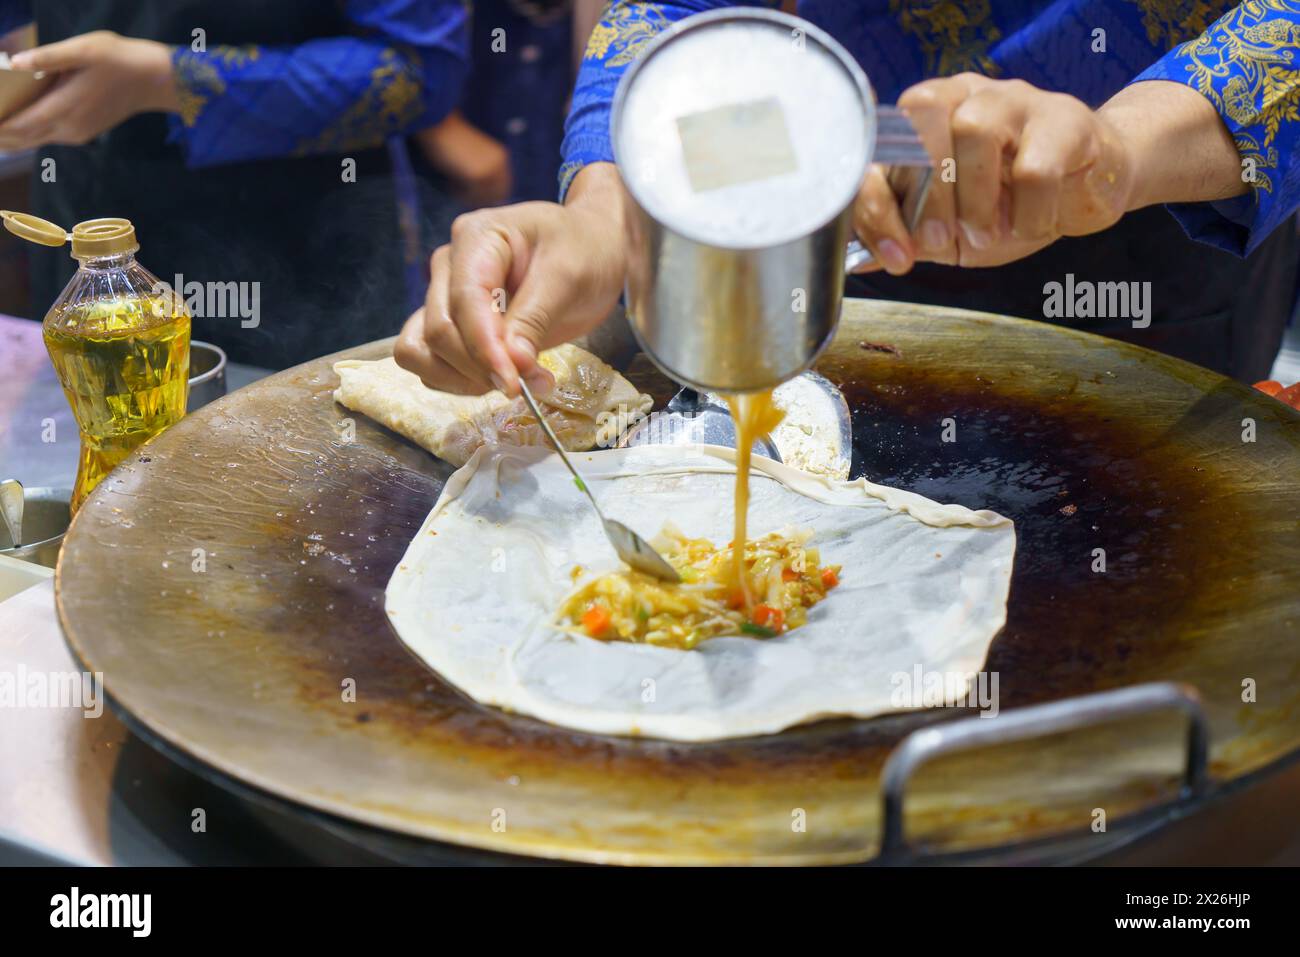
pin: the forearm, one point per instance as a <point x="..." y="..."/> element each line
<point x="1242" y="69"/>
<point x="597" y="186"/>
<point x="158" y="89"/>
<point x="1179" y="149"/>
<point x="401" y="71"/>
<point x="616" y="42"/>
<point x="327" y="95"/>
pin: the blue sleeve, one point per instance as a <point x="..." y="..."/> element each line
<point x="622" y="34"/>
<point x="1247" y="64"/>
<point x="402" y="71"/>
<point x="14" y="14"/>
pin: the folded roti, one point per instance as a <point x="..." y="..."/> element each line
<point x="923" y="585"/>
<point x="589" y="406"/>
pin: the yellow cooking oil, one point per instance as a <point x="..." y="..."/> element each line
<point x="119" y="340"/>
<point x="124" y="366"/>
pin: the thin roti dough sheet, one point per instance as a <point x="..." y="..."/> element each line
<point x="923" y="585"/>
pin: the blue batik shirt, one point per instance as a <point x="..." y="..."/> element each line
<point x="400" y="69"/>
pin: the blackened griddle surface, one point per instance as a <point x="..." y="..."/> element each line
<point x="1075" y="480"/>
<point x="246" y="665"/>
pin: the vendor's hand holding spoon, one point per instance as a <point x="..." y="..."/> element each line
<point x="514" y="281"/>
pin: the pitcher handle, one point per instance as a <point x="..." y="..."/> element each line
<point x="899" y="146"/>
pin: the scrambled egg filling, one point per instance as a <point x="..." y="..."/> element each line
<point x="781" y="580"/>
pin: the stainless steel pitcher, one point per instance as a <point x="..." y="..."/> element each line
<point x="743" y="137"/>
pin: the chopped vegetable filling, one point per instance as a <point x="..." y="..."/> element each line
<point x="783" y="579"/>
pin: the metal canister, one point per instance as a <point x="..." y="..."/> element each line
<point x="742" y="137"/>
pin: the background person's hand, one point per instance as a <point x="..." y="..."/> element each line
<point x="101" y="79"/>
<point x="1026" y="167"/>
<point x="477" y="165"/>
<point x="556" y="270"/>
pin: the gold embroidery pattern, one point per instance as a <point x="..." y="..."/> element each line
<point x="567" y="172"/>
<point x="1171" y="22"/>
<point x="954" y="36"/>
<point x="624" y="30"/>
<point x="198" y="80"/>
<point x="1245" y="64"/>
<point x="391" y="102"/>
<point x="236" y="56"/>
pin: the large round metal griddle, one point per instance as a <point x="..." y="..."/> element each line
<point x="228" y="581"/>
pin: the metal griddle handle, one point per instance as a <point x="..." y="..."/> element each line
<point x="1036" y="721"/>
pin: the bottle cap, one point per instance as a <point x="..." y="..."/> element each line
<point x="94" y="237"/>
<point x="103" y="237"/>
<point x="34" y="229"/>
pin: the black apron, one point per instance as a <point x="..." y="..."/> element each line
<point x="1207" y="306"/>
<point x="327" y="255"/>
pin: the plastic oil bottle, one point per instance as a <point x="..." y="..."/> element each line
<point x="119" y="339"/>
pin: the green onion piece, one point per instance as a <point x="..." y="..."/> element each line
<point x="758" y="631"/>
<point x="578" y="482"/>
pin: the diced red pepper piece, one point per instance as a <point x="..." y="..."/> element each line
<point x="1290" y="395"/>
<point x="596" y="620"/>
<point x="765" y="616"/>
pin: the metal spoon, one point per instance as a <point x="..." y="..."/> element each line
<point x="631" y="547"/>
<point x="11" y="508"/>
